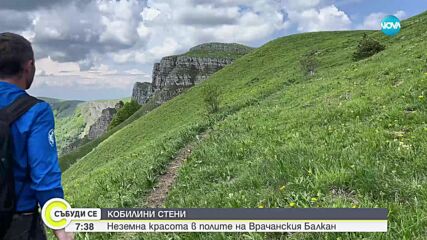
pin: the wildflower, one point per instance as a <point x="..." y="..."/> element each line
<point x="354" y="206"/>
<point x="399" y="134"/>
<point x="292" y="204"/>
<point x="261" y="206"/>
<point x="313" y="199"/>
<point x="404" y="146"/>
<point x="282" y="188"/>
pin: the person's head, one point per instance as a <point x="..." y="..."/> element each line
<point x="17" y="64"/>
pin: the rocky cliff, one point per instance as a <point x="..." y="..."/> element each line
<point x="142" y="92"/>
<point x="185" y="71"/>
<point x="73" y="120"/>
<point x="92" y="111"/>
<point x="173" y="74"/>
<point x="101" y="124"/>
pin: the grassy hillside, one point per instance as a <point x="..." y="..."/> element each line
<point x="352" y="135"/>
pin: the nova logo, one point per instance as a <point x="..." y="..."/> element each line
<point x="390" y="25"/>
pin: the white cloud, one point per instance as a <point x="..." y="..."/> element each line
<point x="300" y="5"/>
<point x="400" y="14"/>
<point x="46" y="66"/>
<point x="101" y="70"/>
<point x="49" y="67"/>
<point x="172" y="27"/>
<point x="208" y="15"/>
<point x="167" y="47"/>
<point x="135" y="71"/>
<point x="120" y="20"/>
<point x="328" y="18"/>
<point x="119" y="81"/>
<point x="85" y="32"/>
<point x="55" y="78"/>
<point x="224" y="21"/>
<point x="149" y="14"/>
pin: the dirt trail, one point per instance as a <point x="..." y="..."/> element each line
<point x="165" y="182"/>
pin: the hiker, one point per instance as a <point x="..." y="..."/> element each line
<point x="34" y="175"/>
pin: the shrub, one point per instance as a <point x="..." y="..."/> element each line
<point x="212" y="98"/>
<point x="124" y="113"/>
<point x="309" y="63"/>
<point x="367" y="47"/>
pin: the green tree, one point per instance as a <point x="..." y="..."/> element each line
<point x="367" y="47"/>
<point x="124" y="113"/>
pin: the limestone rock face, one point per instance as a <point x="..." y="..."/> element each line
<point x="101" y="124"/>
<point x="185" y="71"/>
<point x="174" y="74"/>
<point x="142" y="92"/>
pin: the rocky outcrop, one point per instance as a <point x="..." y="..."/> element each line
<point x="73" y="120"/>
<point x="142" y="92"/>
<point x="100" y="126"/>
<point x="119" y="105"/>
<point x="185" y="71"/>
<point x="92" y="111"/>
<point x="176" y="73"/>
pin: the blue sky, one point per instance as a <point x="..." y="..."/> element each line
<point x="92" y="50"/>
<point x="360" y="8"/>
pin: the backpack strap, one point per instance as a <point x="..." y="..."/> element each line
<point x="14" y="111"/>
<point x="20" y="106"/>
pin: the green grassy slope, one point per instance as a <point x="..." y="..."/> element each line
<point x="354" y="135"/>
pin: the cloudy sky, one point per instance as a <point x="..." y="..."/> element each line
<point x="97" y="49"/>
